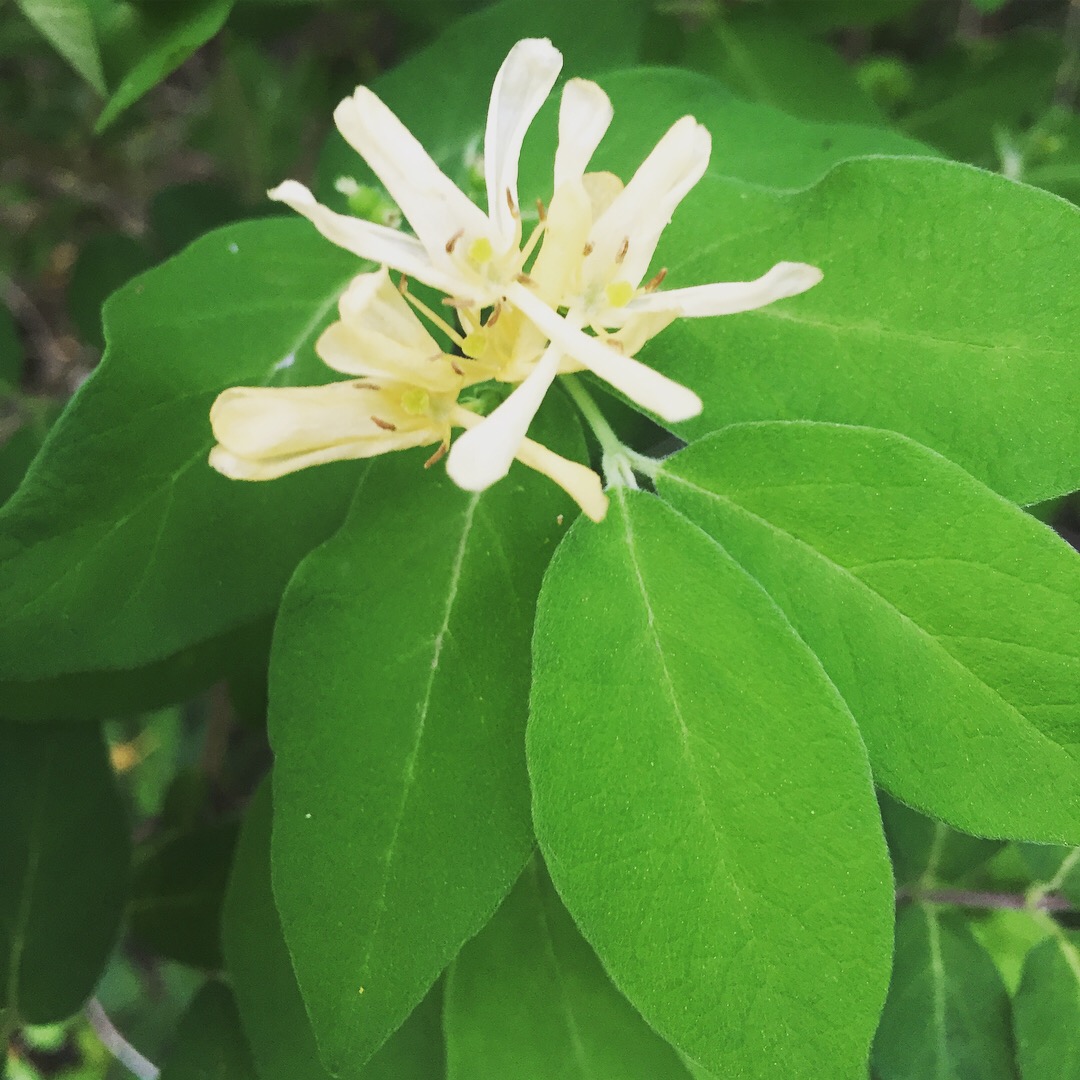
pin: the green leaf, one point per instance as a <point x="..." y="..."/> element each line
<point x="177" y="891"/>
<point x="114" y="553"/>
<point x="947" y="1015"/>
<point x="947" y="618"/>
<point x="1055" y="869"/>
<point x="1047" y="1010"/>
<point x="210" y="1044"/>
<point x="458" y="67"/>
<point x="931" y="320"/>
<point x="527" y="997"/>
<point x="398" y="689"/>
<point x="11" y="353"/>
<point x="68" y="27"/>
<point x="928" y="852"/>
<point x="144" y="43"/>
<point x="269" y="1000"/>
<point x="765" y="59"/>
<point x="704" y="803"/>
<point x="64" y="850"/>
<point x="832" y="14"/>
<point x="104" y="263"/>
<point x="1008" y="935"/>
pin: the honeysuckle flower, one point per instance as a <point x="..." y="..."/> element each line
<point x="404" y="393"/>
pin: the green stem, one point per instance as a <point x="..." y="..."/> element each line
<point x="619" y="461"/>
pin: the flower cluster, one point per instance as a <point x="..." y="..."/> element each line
<point x="570" y="296"/>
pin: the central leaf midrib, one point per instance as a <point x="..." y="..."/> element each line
<point x="843" y="571"/>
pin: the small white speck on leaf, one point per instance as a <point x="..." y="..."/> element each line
<point x="285" y="362"/>
<point x="307" y="817"/>
<point x="234" y="248"/>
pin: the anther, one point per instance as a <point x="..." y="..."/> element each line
<point x="588" y="249"/>
<point x="510" y="202"/>
<point x="623" y="250"/>
<point x="524" y="279"/>
<point x="541" y="209"/>
<point x="452" y="242"/>
<point x="457" y="367"/>
<point x="654" y="282"/>
<point x="457" y="302"/>
<point x="403" y="284"/>
<point x="365" y="385"/>
<point x="384" y="424"/>
<point x="437" y="456"/>
<point x="493" y="318"/>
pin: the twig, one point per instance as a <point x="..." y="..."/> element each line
<point x="1068" y="76"/>
<point x="117" y="1045"/>
<point x="991" y="900"/>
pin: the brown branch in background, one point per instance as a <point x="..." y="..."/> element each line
<point x="1068" y="76"/>
<point x="970" y="898"/>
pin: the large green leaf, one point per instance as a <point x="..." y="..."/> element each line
<point x="1047" y="1010"/>
<point x="399" y="689"/>
<point x="70" y="30"/>
<point x="64" y="850"/>
<point x="947" y="618"/>
<point x="947" y="312"/>
<point x="457" y="69"/>
<point x="947" y="1016"/>
<point x="704" y="802"/>
<point x="123" y="548"/>
<point x="210" y="1043"/>
<point x="269" y="1000"/>
<point x="527" y="997"/>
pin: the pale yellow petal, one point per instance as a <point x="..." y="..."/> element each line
<point x="585" y="113"/>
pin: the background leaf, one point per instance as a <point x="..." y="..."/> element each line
<point x="702" y="799"/>
<point x="269" y="1000"/>
<point x="121" y="499"/>
<point x="399" y="689"/>
<point x="1047" y="1010"/>
<point x="70" y="30"/>
<point x="528" y="997"/>
<point x="209" y="1041"/>
<point x="947" y="1015"/>
<point x="64" y="850"/>
<point x="948" y="619"/>
<point x="932" y="319"/>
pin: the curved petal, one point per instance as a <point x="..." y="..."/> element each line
<point x="365" y="238"/>
<point x="729" y="297"/>
<point x="433" y="204"/>
<point x="523" y="83"/>
<point x="668" y="399"/>
<point x="483" y="455"/>
<point x="642" y="210"/>
<point x="584" y="115"/>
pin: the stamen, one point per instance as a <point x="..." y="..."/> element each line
<point x="530" y="244"/>
<point x="403" y="285"/>
<point x="456" y="366"/>
<point x="524" y="279"/>
<point x="384" y="424"/>
<point x="541" y="210"/>
<point x="439" y="454"/>
<point x="452" y="242"/>
<point x="457" y="302"/>
<point x="493" y="318"/>
<point x="436" y="356"/>
<point x="654" y="282"/>
<point x="511" y="204"/>
<point x="364" y="385"/>
<point x="622" y="250"/>
<point x="588" y="249"/>
<point x="430" y="315"/>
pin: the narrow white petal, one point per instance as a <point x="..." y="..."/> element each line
<point x="483" y="455"/>
<point x="584" y="115"/>
<point x="642" y="210"/>
<point x="522" y="85"/>
<point x="431" y="202"/>
<point x="577" y="480"/>
<point x="730" y="297"/>
<point x="668" y="399"/>
<point x="365" y="238"/>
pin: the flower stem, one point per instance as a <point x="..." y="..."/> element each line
<point x="619" y="461"/>
<point x="117" y="1045"/>
<point x="970" y="898"/>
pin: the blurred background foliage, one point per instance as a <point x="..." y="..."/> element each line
<point x="130" y="127"/>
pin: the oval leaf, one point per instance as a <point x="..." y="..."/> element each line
<point x="704" y="803"/>
<point x="948" y="618"/>
<point x="1047" y="1010"/>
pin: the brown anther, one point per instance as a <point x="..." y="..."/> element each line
<point x="437" y="456"/>
<point x="384" y="424"/>
<point x="654" y="282"/>
<point x="364" y="385"/>
<point x="623" y="250"/>
<point x="403" y="284"/>
<point x="541" y="209"/>
<point x="457" y="302"/>
<point x="457" y="367"/>
<point x="588" y="249"/>
<point x="510" y="202"/>
<point x="452" y="242"/>
<point x="493" y="318"/>
<point x="524" y="279"/>
<point x="435" y="356"/>
<point x="616" y="344"/>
